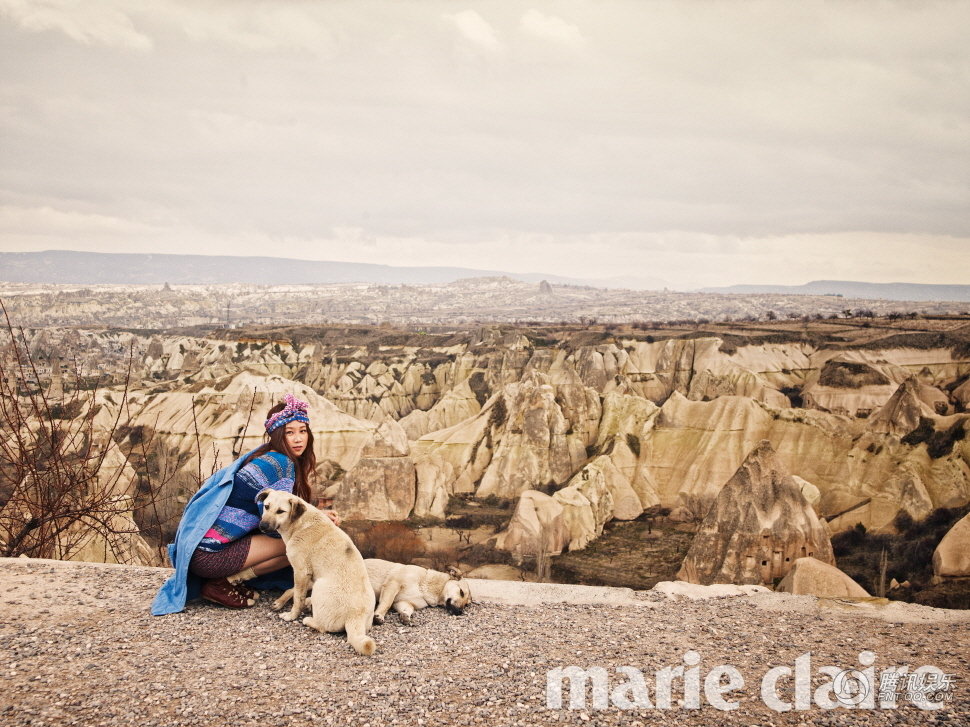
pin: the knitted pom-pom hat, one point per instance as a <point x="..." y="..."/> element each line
<point x="294" y="411"/>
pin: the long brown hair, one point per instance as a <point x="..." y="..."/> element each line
<point x="306" y="463"/>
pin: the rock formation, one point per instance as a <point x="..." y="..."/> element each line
<point x="697" y="369"/>
<point x="809" y="491"/>
<point x="811" y="577"/>
<point x="759" y="525"/>
<point x="606" y="421"/>
<point x="951" y="559"/>
<point x="601" y="476"/>
<point x="536" y="446"/>
<point x="901" y="414"/>
<point x="678" y="455"/>
<point x="453" y="460"/>
<point x="579" y="403"/>
<point x="457" y="405"/>
<point x="536" y="527"/>
<point x="579" y="517"/>
<point x="695" y="446"/>
<point x="381" y="486"/>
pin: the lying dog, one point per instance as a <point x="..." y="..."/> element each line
<point x="324" y="557"/>
<point x="410" y="587"/>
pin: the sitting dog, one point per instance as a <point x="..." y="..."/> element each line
<point x="324" y="557"/>
<point x="410" y="587"/>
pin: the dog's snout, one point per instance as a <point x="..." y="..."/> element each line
<point x="453" y="609"/>
<point x="264" y="528"/>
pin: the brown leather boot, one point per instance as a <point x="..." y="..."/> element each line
<point x="225" y="594"/>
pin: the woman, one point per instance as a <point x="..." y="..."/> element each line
<point x="232" y="550"/>
<point x="218" y="545"/>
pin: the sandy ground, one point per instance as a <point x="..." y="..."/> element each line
<point x="78" y="646"/>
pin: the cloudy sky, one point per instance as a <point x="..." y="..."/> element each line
<point x="702" y="143"/>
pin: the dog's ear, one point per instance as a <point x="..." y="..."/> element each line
<point x="263" y="494"/>
<point x="299" y="507"/>
<point x="455" y="573"/>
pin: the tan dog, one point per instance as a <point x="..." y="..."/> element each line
<point x="410" y="587"/>
<point x="323" y="556"/>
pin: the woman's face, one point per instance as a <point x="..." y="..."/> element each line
<point x="296" y="437"/>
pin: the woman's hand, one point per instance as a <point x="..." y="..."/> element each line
<point x="332" y="514"/>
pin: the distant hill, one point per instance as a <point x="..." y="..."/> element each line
<point x="68" y="266"/>
<point x="855" y="289"/>
<point x="91" y="268"/>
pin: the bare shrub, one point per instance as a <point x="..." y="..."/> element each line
<point x="67" y="488"/>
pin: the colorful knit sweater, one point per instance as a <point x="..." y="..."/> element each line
<point x="241" y="513"/>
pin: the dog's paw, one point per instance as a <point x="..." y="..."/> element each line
<point x="378" y="619"/>
<point x="276" y="605"/>
<point x="407" y="619"/>
<point x="287" y="616"/>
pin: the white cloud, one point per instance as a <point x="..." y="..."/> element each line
<point x="242" y="24"/>
<point x="101" y="22"/>
<point x="476" y="29"/>
<point x="24" y="222"/>
<point x="550" y="27"/>
<point x="252" y="26"/>
<point x="708" y="145"/>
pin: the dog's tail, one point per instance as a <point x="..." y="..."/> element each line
<point x="362" y="643"/>
<point x="356" y="628"/>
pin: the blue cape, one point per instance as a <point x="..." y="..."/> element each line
<point x="200" y="512"/>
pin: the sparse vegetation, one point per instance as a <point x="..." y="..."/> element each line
<point x="922" y="432"/>
<point x="909" y="557"/>
<point x="850" y="375"/>
<point x="940" y="444"/>
<point x="63" y="480"/>
<point x="499" y="414"/>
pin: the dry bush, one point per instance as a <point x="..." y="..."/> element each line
<point x="66" y="487"/>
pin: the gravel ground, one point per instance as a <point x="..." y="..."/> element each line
<point x="78" y="646"/>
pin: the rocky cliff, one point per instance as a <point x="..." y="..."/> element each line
<point x="759" y="525"/>
<point x="605" y="425"/>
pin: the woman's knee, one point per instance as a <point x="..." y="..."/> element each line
<point x="265" y="548"/>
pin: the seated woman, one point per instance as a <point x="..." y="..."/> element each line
<point x="218" y="545"/>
